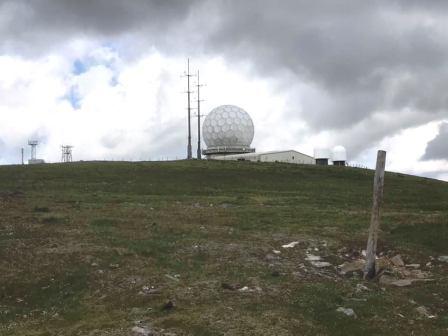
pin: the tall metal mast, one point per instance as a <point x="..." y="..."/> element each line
<point x="199" y="154"/>
<point x="189" y="151"/>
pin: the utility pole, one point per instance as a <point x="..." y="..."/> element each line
<point x="188" y="75"/>
<point x="23" y="155"/>
<point x="378" y="187"/>
<point x="199" y="154"/>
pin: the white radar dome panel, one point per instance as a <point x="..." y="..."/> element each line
<point x="228" y="126"/>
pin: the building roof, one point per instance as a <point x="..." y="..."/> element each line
<point x="267" y="153"/>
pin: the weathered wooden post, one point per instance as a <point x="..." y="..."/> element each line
<point x="378" y="187"/>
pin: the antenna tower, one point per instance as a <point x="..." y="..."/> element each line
<point x="188" y="75"/>
<point x="67" y="154"/>
<point x="33" y="144"/>
<point x="199" y="154"/>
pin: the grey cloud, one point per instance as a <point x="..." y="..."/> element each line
<point x="345" y="48"/>
<point x="437" y="149"/>
<point x="39" y="25"/>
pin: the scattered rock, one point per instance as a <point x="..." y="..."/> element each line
<point x="423" y="311"/>
<point x="311" y="257"/>
<point x="276" y="252"/>
<point x="320" y="264"/>
<point x="149" y="290"/>
<point x="248" y="289"/>
<point x="415" y="266"/>
<point x="114" y="266"/>
<point x="361" y="288"/>
<point x="397" y="261"/>
<point x="291" y="245"/>
<point x="174" y="278"/>
<point x="389" y="280"/>
<point x="143" y="331"/>
<point x="347" y="311"/>
<point x="347" y="267"/>
<point x="443" y="259"/>
<point x="402" y="282"/>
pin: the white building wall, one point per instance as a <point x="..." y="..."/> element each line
<point x="289" y="156"/>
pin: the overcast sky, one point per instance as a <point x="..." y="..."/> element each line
<point x="105" y="76"/>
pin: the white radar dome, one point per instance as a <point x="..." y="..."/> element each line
<point x="339" y="153"/>
<point x="228" y="126"/>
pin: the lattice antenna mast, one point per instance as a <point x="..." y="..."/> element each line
<point x="33" y="144"/>
<point x="67" y="154"/>
<point x="189" y="75"/>
<point x="199" y="85"/>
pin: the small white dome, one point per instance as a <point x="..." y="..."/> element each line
<point x="228" y="126"/>
<point x="339" y="153"/>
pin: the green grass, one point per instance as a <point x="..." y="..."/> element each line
<point x="78" y="242"/>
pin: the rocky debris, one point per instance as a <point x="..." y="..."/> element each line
<point x="320" y="264"/>
<point x="347" y="311"/>
<point x="250" y="290"/>
<point x="354" y="266"/>
<point x="311" y="257"/>
<point x="143" y="331"/>
<point x="443" y="259"/>
<point x="388" y="280"/>
<point x="276" y="252"/>
<point x="139" y="331"/>
<point x="316" y="261"/>
<point x="149" y="290"/>
<point x="291" y="245"/>
<point x="423" y="311"/>
<point x="173" y="277"/>
<point x="361" y="288"/>
<point x="413" y="266"/>
<point x="397" y="261"/>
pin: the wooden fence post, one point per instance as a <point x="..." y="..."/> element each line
<point x="378" y="187"/>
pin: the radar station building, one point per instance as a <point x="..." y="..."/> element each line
<point x="228" y="133"/>
<point x="288" y="156"/>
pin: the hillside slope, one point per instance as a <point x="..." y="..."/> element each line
<point x="101" y="248"/>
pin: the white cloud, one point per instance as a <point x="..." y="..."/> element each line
<point x="134" y="109"/>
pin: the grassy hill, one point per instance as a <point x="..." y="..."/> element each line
<point x="99" y="248"/>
